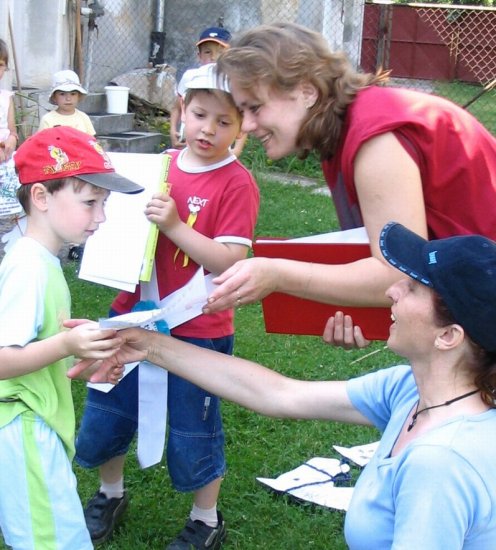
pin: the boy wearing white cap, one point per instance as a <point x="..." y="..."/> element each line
<point x="66" y="94"/>
<point x="211" y="43"/>
<point x="207" y="219"/>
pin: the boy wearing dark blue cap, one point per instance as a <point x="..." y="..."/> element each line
<point x="214" y="35"/>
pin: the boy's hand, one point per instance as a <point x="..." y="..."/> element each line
<point x="87" y="341"/>
<point x="162" y="210"/>
<point x="134" y="345"/>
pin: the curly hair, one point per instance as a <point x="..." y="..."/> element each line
<point x="282" y="56"/>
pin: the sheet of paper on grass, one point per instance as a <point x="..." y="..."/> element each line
<point x="177" y="308"/>
<point x="360" y="454"/>
<point x="312" y="482"/>
<point x="113" y="256"/>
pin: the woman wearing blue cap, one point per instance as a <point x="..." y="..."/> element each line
<point x="431" y="482"/>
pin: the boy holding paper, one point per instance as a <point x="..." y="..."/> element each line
<point x="65" y="178"/>
<point x="208" y="220"/>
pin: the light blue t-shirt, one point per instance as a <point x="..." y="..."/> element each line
<point x="34" y="302"/>
<point x="439" y="492"/>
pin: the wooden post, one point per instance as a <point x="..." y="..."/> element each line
<point x="78" y="54"/>
<point x="18" y="79"/>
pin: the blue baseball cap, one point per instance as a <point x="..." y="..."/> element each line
<point x="215" y="34"/>
<point x="462" y="270"/>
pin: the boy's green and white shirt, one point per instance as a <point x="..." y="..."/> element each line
<point x="34" y="302"/>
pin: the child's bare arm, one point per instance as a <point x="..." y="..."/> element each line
<point x="8" y="146"/>
<point x="85" y="340"/>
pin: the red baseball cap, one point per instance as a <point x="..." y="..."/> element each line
<point x="64" y="152"/>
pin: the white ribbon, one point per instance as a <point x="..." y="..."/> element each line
<point x="152" y="396"/>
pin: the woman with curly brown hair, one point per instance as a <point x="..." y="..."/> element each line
<point x="387" y="153"/>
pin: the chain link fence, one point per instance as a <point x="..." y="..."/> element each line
<point x="148" y="44"/>
<point x="470" y="36"/>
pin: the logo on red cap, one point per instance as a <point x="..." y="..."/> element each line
<point x="63" y="164"/>
<point x="61" y="159"/>
<point x="64" y="152"/>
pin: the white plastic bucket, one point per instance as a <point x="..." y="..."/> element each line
<point x="117" y="98"/>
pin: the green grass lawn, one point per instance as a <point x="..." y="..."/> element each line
<point x="255" y="446"/>
<point x="483" y="108"/>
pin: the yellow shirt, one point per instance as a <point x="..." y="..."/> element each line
<point x="79" y="120"/>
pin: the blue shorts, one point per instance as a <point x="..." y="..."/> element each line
<point x="195" y="438"/>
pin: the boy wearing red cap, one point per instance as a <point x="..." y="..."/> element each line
<point x="65" y="179"/>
